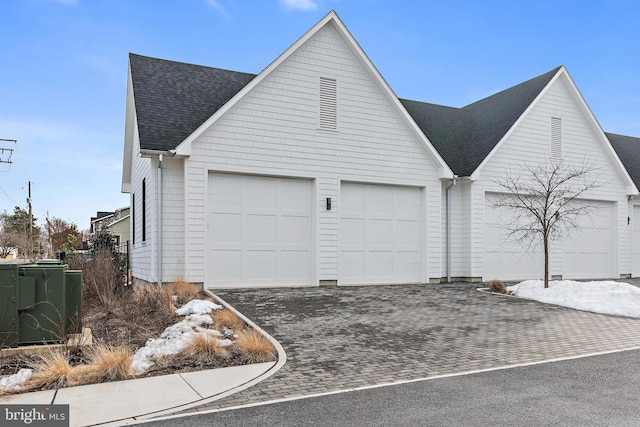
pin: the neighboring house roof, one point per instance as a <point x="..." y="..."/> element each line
<point x="172" y="99"/>
<point x="628" y="149"/>
<point x="465" y="136"/>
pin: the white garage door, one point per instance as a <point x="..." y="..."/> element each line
<point x="589" y="251"/>
<point x="504" y="257"/>
<point x="259" y="231"/>
<point x="635" y="220"/>
<point x="381" y="231"/>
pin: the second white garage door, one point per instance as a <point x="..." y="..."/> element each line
<point x="381" y="231"/>
<point x="259" y="231"/>
<point x="589" y="251"/>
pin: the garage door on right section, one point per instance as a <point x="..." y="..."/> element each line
<point x="381" y="234"/>
<point x="589" y="251"/>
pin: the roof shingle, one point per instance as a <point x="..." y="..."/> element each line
<point x="173" y="99"/>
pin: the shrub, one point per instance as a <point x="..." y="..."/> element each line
<point x="498" y="287"/>
<point x="101" y="278"/>
<point x="255" y="348"/>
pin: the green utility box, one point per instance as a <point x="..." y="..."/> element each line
<point x="40" y="303"/>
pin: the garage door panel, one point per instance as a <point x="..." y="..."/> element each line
<point x="504" y="258"/>
<point x="635" y="242"/>
<point x="260" y="231"/>
<point x="223" y="233"/>
<point x="380" y="234"/>
<point x="589" y="250"/>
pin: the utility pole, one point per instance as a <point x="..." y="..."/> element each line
<point x="30" y="223"/>
<point x="5" y="153"/>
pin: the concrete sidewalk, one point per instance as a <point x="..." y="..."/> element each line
<point x="122" y="402"/>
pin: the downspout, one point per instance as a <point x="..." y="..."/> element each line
<point x="159" y="221"/>
<point x="448" y="221"/>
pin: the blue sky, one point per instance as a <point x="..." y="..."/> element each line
<point x="63" y="68"/>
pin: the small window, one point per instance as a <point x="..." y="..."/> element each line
<point x="133" y="219"/>
<point x="556" y="138"/>
<point x="144" y="210"/>
<point x="328" y="104"/>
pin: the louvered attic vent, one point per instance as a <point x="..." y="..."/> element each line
<point x="328" y="104"/>
<point x="556" y="138"/>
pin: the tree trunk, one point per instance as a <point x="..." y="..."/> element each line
<point x="546" y="261"/>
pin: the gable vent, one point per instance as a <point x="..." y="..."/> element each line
<point x="328" y="104"/>
<point x="556" y="137"/>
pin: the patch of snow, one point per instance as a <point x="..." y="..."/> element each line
<point x="197" y="306"/>
<point x="605" y="297"/>
<point x="15" y="382"/>
<point x="176" y="337"/>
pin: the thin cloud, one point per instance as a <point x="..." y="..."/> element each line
<point x="304" y="5"/>
<point x="219" y="8"/>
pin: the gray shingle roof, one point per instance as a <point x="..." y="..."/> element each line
<point x="628" y="150"/>
<point x="465" y="136"/>
<point x="173" y="99"/>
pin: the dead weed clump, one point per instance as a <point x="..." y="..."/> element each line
<point x="254" y="347"/>
<point x="50" y="370"/>
<point x="498" y="287"/>
<point x="205" y="348"/>
<point x="226" y="319"/>
<point x="183" y="291"/>
<point x="109" y="363"/>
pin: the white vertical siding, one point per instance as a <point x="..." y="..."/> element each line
<point x="274" y="130"/>
<point x="529" y="145"/>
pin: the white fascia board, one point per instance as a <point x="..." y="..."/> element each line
<point x="629" y="184"/>
<point x="356" y="49"/>
<point x="130" y="130"/>
<point x="184" y="148"/>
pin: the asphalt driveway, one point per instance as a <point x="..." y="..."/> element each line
<point x="340" y="338"/>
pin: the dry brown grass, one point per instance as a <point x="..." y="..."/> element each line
<point x="498" y="287"/>
<point x="205" y="348"/>
<point x="51" y="370"/>
<point x="254" y="347"/>
<point x="184" y="291"/>
<point x="110" y="363"/>
<point x="226" y="319"/>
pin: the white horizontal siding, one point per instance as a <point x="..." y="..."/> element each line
<point x="142" y="252"/>
<point x="273" y="130"/>
<point x="529" y="145"/>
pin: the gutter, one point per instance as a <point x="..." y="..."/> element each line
<point x="454" y="180"/>
<point x="448" y="220"/>
<point x="160" y="155"/>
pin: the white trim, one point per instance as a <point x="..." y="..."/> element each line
<point x="184" y="148"/>
<point x="577" y="96"/>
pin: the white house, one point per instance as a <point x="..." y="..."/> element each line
<point x="314" y="172"/>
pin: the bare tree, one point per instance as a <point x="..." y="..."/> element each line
<point x="545" y="203"/>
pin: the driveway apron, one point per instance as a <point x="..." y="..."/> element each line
<point x="339" y="338"/>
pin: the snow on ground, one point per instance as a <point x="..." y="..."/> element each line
<point x="606" y="297"/>
<point x="15" y="381"/>
<point x="175" y="338"/>
<point x="172" y="341"/>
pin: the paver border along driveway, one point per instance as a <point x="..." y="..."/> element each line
<point x="346" y="337"/>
